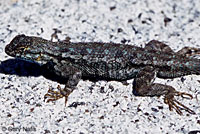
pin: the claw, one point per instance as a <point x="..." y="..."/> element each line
<point x="55" y="95"/>
<point x="174" y="104"/>
<point x="185" y="108"/>
<point x="183" y="94"/>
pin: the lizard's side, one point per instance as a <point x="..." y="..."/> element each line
<point x="110" y="61"/>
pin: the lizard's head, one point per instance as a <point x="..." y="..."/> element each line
<point x="26" y="47"/>
<point x="18" y="46"/>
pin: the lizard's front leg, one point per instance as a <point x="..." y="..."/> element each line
<point x="74" y="77"/>
<point x="143" y="86"/>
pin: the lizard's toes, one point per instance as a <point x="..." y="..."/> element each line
<point x="174" y="104"/>
<point x="52" y="95"/>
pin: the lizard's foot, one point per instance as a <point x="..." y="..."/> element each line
<point x="55" y="95"/>
<point x="174" y="104"/>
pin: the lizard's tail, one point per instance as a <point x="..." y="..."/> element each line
<point x="194" y="67"/>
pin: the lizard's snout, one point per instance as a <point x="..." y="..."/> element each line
<point x="9" y="50"/>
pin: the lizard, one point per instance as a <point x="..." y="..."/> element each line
<point x="111" y="61"/>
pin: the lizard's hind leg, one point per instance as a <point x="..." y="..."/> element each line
<point x="189" y="51"/>
<point x="160" y="46"/>
<point x="143" y="86"/>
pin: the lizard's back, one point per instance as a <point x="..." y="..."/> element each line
<point x="122" y="62"/>
<point x="101" y="60"/>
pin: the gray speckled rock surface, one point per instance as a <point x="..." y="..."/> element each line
<point x="101" y="109"/>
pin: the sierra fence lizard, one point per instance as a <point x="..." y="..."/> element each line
<point x="110" y="61"/>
